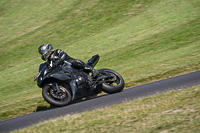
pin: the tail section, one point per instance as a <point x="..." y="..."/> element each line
<point x="94" y="60"/>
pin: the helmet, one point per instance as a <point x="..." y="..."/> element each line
<point x="45" y="50"/>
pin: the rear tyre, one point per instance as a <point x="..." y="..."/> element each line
<point x="59" y="97"/>
<point x="114" y="84"/>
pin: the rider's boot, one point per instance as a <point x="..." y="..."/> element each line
<point x="92" y="70"/>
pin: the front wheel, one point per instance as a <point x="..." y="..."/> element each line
<point x="113" y="84"/>
<point x="60" y="96"/>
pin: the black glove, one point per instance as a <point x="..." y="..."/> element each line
<point x="51" y="65"/>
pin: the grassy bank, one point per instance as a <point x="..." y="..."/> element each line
<point x="175" y="111"/>
<point x="142" y="40"/>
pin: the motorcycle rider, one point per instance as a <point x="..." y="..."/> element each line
<point x="57" y="57"/>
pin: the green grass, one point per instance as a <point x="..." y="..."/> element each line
<point x="142" y="40"/>
<point x="175" y="111"/>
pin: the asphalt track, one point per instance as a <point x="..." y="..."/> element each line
<point x="174" y="83"/>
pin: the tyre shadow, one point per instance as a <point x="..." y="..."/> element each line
<point x="43" y="108"/>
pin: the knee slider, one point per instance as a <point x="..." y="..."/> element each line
<point x="78" y="64"/>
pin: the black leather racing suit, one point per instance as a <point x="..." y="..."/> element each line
<point x="60" y="56"/>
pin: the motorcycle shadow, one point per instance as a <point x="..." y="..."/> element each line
<point x="43" y="108"/>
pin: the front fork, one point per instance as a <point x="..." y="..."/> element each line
<point x="55" y="87"/>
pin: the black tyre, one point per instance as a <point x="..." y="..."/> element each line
<point x="59" y="97"/>
<point x="113" y="85"/>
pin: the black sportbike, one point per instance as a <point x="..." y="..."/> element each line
<point x="64" y="84"/>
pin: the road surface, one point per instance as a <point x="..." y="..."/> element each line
<point x="174" y="83"/>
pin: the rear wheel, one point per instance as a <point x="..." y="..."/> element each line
<point x="113" y="84"/>
<point x="57" y="97"/>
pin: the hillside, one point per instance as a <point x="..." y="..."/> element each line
<point x="142" y="40"/>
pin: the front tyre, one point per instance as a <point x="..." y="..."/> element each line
<point x="57" y="97"/>
<point x="113" y="84"/>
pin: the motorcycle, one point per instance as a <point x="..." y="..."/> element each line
<point x="65" y="84"/>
